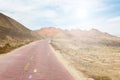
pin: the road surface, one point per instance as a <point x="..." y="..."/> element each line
<point x="35" y="61"/>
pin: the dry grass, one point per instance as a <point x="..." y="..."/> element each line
<point x="6" y="46"/>
<point x="100" y="62"/>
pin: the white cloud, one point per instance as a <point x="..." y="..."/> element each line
<point x="115" y="19"/>
<point x="37" y="8"/>
<point x="58" y="12"/>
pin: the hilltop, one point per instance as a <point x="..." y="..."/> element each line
<point x="93" y="53"/>
<point x="11" y="29"/>
<point x="13" y="34"/>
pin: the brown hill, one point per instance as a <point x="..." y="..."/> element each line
<point x="95" y="37"/>
<point x="92" y="53"/>
<point x="52" y="32"/>
<point x="90" y="33"/>
<point x="91" y="37"/>
<point x="11" y="29"/>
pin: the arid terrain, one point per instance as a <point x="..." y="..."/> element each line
<point x="87" y="55"/>
<point x="33" y="61"/>
<point x="94" y="53"/>
<point x="13" y="34"/>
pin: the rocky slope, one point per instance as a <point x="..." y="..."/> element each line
<point x="11" y="29"/>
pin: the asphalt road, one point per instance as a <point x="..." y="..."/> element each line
<point x="35" y="61"/>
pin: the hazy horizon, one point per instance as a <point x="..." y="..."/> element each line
<point x="77" y="14"/>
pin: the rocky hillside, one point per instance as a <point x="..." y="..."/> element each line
<point x="91" y="37"/>
<point x="11" y="29"/>
<point x="13" y="34"/>
<point x="52" y="32"/>
<point x="93" y="53"/>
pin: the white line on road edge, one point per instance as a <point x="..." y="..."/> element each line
<point x="69" y="68"/>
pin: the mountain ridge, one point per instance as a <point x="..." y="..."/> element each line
<point x="15" y="30"/>
<point x="72" y="32"/>
<point x="90" y="37"/>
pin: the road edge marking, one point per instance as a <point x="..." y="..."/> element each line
<point x="69" y="68"/>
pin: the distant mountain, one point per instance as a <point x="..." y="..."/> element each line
<point x="90" y="33"/>
<point x="95" y="37"/>
<point x="57" y="32"/>
<point x="52" y="32"/>
<point x="91" y="37"/>
<point x="11" y="29"/>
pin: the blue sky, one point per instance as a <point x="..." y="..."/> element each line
<point x="67" y="14"/>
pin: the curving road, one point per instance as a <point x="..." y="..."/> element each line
<point x="35" y="61"/>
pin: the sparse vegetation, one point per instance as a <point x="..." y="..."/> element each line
<point x="94" y="53"/>
<point x="101" y="78"/>
<point x="101" y="62"/>
<point x="13" y="34"/>
<point x="7" y="46"/>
